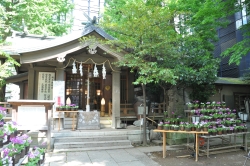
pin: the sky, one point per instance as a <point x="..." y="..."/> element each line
<point x="90" y="7"/>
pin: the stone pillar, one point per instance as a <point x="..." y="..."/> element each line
<point x="31" y="81"/>
<point x="116" y="99"/>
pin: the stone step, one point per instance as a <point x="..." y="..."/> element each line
<point x="92" y="148"/>
<point x="89" y="139"/>
<point x="70" y="144"/>
<point x="103" y="126"/>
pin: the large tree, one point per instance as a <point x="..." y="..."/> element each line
<point x="42" y="17"/>
<point x="168" y="42"/>
<point x="48" y="17"/>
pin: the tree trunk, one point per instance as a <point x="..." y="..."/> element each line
<point x="144" y="116"/>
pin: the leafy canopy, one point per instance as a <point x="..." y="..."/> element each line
<point x="52" y="17"/>
<point x="167" y="41"/>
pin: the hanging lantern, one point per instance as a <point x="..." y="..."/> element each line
<point x="90" y="75"/>
<point x="103" y="72"/>
<point x="74" y="68"/>
<point x="96" y="74"/>
<point x="80" y="69"/>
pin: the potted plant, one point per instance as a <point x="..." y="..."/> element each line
<point x="34" y="157"/>
<point x="219" y="130"/>
<point x="231" y="129"/>
<point x="196" y="104"/>
<point x="206" y="126"/>
<point x="187" y="127"/>
<point x="238" y="122"/>
<point x="166" y="126"/>
<point x="27" y="140"/>
<point x="202" y="105"/>
<point x="182" y="126"/>
<point x="189" y="105"/>
<point x="6" y="161"/>
<point x="160" y="125"/>
<point x="176" y="127"/>
<point x="223" y="104"/>
<point x="208" y="104"/>
<point x="197" y="126"/>
<point x="214" y="131"/>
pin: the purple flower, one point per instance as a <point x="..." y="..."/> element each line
<point x="6" y="152"/>
<point x="24" y="136"/>
<point x="17" y="140"/>
<point x="31" y="155"/>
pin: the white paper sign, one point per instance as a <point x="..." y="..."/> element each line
<point x="45" y="85"/>
<point x="58" y="96"/>
<point x="36" y="116"/>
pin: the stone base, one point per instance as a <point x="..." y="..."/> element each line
<point x="88" y="120"/>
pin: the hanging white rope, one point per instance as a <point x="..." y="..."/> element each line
<point x="80" y="69"/>
<point x="74" y="68"/>
<point x="103" y="72"/>
<point x="96" y="74"/>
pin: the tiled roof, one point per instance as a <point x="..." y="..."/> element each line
<point x="21" y="43"/>
<point x="230" y="81"/>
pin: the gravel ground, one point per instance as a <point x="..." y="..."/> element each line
<point x="223" y="159"/>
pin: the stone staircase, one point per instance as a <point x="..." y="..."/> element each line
<point x="64" y="144"/>
<point x="84" y="140"/>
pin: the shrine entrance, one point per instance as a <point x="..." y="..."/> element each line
<point x="76" y="89"/>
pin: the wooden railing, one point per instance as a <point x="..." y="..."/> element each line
<point x="157" y="108"/>
<point x="124" y="108"/>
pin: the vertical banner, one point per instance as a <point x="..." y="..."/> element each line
<point x="45" y="85"/>
<point x="58" y="96"/>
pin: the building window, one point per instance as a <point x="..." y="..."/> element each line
<point x="244" y="18"/>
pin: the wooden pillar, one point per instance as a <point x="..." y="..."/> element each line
<point x="31" y="83"/>
<point x="116" y="99"/>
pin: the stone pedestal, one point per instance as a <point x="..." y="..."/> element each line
<point x="88" y="120"/>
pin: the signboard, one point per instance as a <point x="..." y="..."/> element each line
<point x="58" y="96"/>
<point x="141" y="109"/>
<point x="45" y="85"/>
<point x="34" y="115"/>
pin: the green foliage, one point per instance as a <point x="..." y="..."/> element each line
<point x="167" y="42"/>
<point x="44" y="16"/>
<point x="240" y="49"/>
<point x="202" y="92"/>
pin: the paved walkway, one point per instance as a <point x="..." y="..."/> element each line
<point x="118" y="157"/>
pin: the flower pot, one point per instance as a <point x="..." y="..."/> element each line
<point x="235" y="130"/>
<point x="198" y="129"/>
<point x="224" y="132"/>
<point x="219" y="132"/>
<point x="16" y="158"/>
<point x="166" y="127"/>
<point x="176" y="128"/>
<point x="205" y="128"/>
<point x="159" y="128"/>
<point x="193" y="129"/>
<point x="187" y="129"/>
<point x="22" y="153"/>
<point x="182" y="128"/>
<point x="27" y="148"/>
<point x="214" y="133"/>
